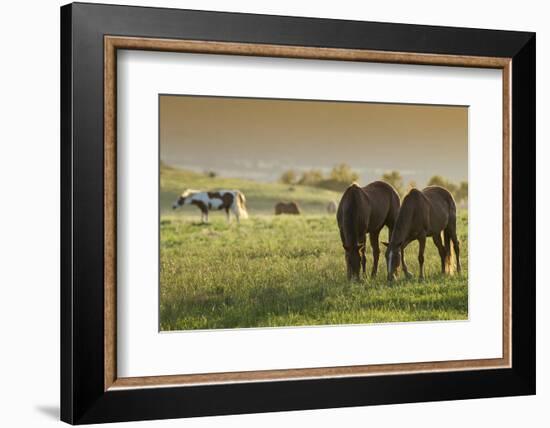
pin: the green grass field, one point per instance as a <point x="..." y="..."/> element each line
<point x="273" y="271"/>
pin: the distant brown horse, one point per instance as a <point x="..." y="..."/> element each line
<point x="332" y="206"/>
<point x="361" y="211"/>
<point x="423" y="214"/>
<point x="287" y="208"/>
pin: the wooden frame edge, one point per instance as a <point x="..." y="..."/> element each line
<point x="301" y="52"/>
<point x="112" y="43"/>
<point x="109" y="196"/>
<point x="298" y="374"/>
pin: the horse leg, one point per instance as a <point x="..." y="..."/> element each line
<point x="447" y="246"/>
<point x="421" y="248"/>
<point x="408" y="275"/>
<point x="236" y="212"/>
<point x="227" y="215"/>
<point x="456" y="247"/>
<point x="363" y="253"/>
<point x="439" y="244"/>
<point x="364" y="259"/>
<point x="375" y="245"/>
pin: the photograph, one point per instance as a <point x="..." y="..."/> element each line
<point x="268" y="211"/>
<point x="290" y="212"/>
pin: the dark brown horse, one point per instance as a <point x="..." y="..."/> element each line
<point x="361" y="211"/>
<point x="287" y="208"/>
<point x="423" y="214"/>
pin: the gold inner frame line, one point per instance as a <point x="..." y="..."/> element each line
<point x="113" y="43"/>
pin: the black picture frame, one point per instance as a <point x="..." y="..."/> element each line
<point x="83" y="399"/>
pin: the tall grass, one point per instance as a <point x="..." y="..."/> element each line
<point x="285" y="270"/>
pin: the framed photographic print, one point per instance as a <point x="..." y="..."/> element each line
<point x="265" y="213"/>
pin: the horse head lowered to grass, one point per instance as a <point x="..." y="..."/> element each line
<point x="365" y="211"/>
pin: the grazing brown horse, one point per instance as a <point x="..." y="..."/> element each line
<point x="361" y="211"/>
<point x="287" y="208"/>
<point x="423" y="214"/>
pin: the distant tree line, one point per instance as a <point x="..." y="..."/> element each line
<point x="458" y="190"/>
<point x="342" y="175"/>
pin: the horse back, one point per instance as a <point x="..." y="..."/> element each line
<point x="287" y="208"/>
<point x="384" y="202"/>
<point x="442" y="207"/>
<point x="353" y="214"/>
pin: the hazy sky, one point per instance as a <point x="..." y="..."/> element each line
<point x="261" y="138"/>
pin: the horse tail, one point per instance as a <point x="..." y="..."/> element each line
<point x="448" y="233"/>
<point x="239" y="205"/>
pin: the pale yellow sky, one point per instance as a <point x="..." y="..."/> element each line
<point x="260" y="138"/>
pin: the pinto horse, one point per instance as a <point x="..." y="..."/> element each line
<point x="365" y="211"/>
<point x="233" y="200"/>
<point x="423" y="214"/>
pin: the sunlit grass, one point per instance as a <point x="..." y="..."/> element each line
<point x="286" y="270"/>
